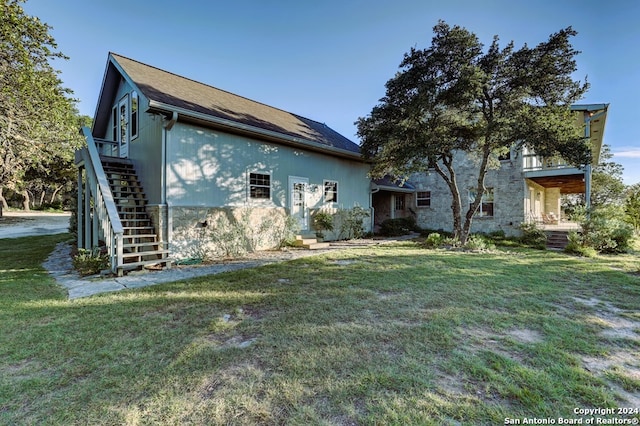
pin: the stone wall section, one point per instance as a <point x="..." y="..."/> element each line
<point x="509" y="190"/>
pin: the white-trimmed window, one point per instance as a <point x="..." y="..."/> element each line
<point x="485" y="209"/>
<point x="260" y="185"/>
<point x="114" y="124"/>
<point x="400" y="205"/>
<point x="423" y="198"/>
<point x="134" y="114"/>
<point x="330" y="191"/>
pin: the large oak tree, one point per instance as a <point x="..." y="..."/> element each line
<point x="37" y="114"/>
<point x="458" y="96"/>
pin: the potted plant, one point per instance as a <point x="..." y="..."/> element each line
<point x="322" y="221"/>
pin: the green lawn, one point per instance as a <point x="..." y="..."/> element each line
<point x="383" y="335"/>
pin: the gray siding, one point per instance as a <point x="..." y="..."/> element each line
<point x="210" y="168"/>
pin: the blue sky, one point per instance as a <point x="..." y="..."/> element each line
<point x="329" y="60"/>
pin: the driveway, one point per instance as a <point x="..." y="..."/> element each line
<point x="24" y="224"/>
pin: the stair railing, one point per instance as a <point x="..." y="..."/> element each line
<point x="105" y="211"/>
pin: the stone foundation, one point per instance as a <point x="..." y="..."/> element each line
<point x="225" y="232"/>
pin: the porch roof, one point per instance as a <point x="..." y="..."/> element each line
<point x="388" y="183"/>
<point x="569" y="183"/>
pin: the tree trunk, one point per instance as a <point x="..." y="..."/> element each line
<point x="26" y="202"/>
<point x="3" y="202"/>
<point x="55" y="193"/>
<point x="42" y="194"/>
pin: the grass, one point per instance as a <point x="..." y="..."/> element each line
<point x="383" y="335"/>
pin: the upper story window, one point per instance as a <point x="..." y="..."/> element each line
<point x="114" y="124"/>
<point x="423" y="198"/>
<point x="485" y="209"/>
<point x="330" y="191"/>
<point x="260" y="186"/>
<point x="134" y="114"/>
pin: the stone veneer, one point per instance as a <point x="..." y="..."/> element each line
<point x="210" y="232"/>
<point x="509" y="189"/>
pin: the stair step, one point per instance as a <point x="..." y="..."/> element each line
<point x="154" y="244"/>
<point x="316" y="246"/>
<point x="305" y="242"/>
<point x="135" y="265"/>
<point x="156" y="253"/>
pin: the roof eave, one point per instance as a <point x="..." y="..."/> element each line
<point x="235" y="127"/>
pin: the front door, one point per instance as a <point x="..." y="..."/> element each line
<point x="298" y="201"/>
<point x="123" y="127"/>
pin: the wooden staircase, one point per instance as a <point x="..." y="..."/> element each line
<point x="141" y="247"/>
<point x="557" y="240"/>
<point x="309" y="242"/>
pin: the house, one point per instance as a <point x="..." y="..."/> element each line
<point x="169" y="158"/>
<point x="524" y="188"/>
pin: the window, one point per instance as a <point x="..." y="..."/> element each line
<point x="330" y="191"/>
<point x="260" y="185"/>
<point x="485" y="209"/>
<point x="423" y="198"/>
<point x="114" y="124"/>
<point x="399" y="202"/>
<point x="134" y="114"/>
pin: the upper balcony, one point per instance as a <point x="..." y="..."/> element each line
<point x="554" y="172"/>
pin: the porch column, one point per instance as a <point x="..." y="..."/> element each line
<point x="94" y="220"/>
<point x="80" y="210"/>
<point x="587" y="186"/>
<point x="87" y="213"/>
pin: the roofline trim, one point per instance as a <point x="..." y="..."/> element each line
<point x="247" y="129"/>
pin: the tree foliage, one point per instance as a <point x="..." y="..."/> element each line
<point x="632" y="206"/>
<point x="607" y="187"/>
<point x="38" y="119"/>
<point x="455" y="96"/>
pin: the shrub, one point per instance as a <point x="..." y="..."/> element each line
<point x="90" y="262"/>
<point x="434" y="240"/>
<point x="478" y="242"/>
<point x="351" y="222"/>
<point x="605" y="231"/>
<point x="322" y="221"/>
<point x="398" y="226"/>
<point x="575" y="246"/>
<point x="533" y="236"/>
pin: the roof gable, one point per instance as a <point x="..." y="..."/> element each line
<point x="174" y="91"/>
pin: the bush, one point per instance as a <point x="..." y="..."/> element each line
<point x="322" y="221"/>
<point x="351" y="222"/>
<point x="605" y="230"/>
<point x="90" y="262"/>
<point x="434" y="240"/>
<point x="533" y="236"/>
<point x="575" y="246"/>
<point x="478" y="242"/>
<point x="399" y="226"/>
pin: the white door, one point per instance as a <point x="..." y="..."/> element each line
<point x="298" y="201"/>
<point x="123" y="127"/>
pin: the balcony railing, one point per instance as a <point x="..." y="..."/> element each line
<point x="534" y="162"/>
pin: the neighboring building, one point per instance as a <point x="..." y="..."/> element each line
<point x="168" y="156"/>
<point x="525" y="188"/>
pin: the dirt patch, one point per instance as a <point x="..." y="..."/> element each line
<point x="617" y="324"/>
<point x="525" y="335"/>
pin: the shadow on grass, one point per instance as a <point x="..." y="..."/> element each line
<point x="365" y="335"/>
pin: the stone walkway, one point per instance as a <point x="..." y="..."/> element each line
<point x="58" y="264"/>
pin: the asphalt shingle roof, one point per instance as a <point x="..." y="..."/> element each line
<point x="174" y="90"/>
